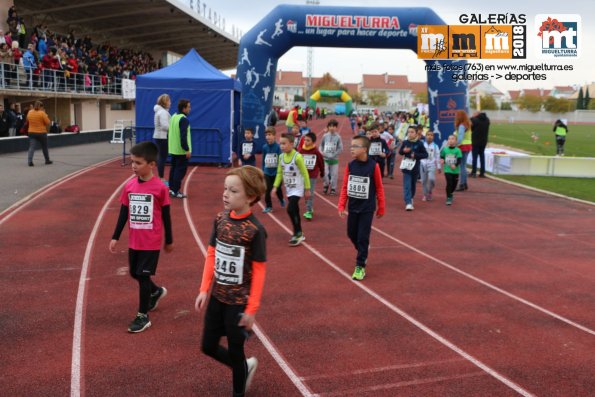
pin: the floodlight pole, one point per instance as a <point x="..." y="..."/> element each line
<point x="310" y="59"/>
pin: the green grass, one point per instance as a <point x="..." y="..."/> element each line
<point x="580" y="141"/>
<point x="581" y="188"/>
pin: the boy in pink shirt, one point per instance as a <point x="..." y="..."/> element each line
<point x="145" y="207"/>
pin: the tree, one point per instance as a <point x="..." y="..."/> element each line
<point x="531" y="103"/>
<point x="580" y="101"/>
<point x="505" y="106"/>
<point x="487" y="102"/>
<point x="587" y="99"/>
<point x="377" y="98"/>
<point x="356" y="97"/>
<point x="327" y="82"/>
<point x="557" y="105"/>
<point x="421" y="97"/>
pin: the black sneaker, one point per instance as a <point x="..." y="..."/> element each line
<point x="156" y="297"/>
<point x="140" y="323"/>
<point x="333" y="192"/>
<point x="325" y="190"/>
<point x="48" y="162"/>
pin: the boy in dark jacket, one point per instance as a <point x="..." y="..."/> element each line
<point x="362" y="186"/>
<point x="412" y="151"/>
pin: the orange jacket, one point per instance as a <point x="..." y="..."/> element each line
<point x="38" y="122"/>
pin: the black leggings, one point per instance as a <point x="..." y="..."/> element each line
<point x="293" y="209"/>
<point x="222" y="319"/>
<point x="146" y="287"/>
<point x="270" y="180"/>
<point x="451" y="183"/>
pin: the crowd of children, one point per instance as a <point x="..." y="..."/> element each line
<point x="235" y="265"/>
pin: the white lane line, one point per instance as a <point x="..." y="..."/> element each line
<point x="22" y="203"/>
<point x="75" y="374"/>
<point x="365" y="390"/>
<point x="267" y="343"/>
<point x="384" y="369"/>
<point x="478" y="280"/>
<point x="411" y="319"/>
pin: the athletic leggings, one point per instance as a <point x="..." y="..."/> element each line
<point x="222" y="319"/>
<point x="293" y="210"/>
<point x="451" y="183"/>
<point x="146" y="287"/>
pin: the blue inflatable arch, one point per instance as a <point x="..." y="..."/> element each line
<point x="287" y="26"/>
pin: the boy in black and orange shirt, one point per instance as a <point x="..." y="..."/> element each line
<point x="236" y="260"/>
<point x="362" y="186"/>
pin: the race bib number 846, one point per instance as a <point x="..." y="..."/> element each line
<point x="229" y="263"/>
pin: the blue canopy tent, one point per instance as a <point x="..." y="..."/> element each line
<point x="215" y="101"/>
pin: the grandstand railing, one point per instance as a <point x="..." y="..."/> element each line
<point x="17" y="77"/>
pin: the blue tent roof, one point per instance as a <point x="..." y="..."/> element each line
<point x="190" y="72"/>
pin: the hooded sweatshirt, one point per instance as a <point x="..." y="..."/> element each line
<point x="161" y="119"/>
<point x="331" y="147"/>
<point x="480" y="126"/>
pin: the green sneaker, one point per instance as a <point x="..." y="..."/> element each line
<point x="308" y="215"/>
<point x="359" y="273"/>
<point x="449" y="201"/>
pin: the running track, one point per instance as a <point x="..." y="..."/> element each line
<point x="491" y="297"/>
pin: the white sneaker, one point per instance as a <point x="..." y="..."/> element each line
<point x="409" y="207"/>
<point x="252" y="364"/>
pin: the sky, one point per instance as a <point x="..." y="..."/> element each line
<point x="348" y="65"/>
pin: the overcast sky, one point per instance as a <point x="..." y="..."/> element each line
<point x="348" y="65"/>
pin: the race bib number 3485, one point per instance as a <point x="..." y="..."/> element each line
<point x="229" y="263"/>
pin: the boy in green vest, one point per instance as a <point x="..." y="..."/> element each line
<point x="180" y="147"/>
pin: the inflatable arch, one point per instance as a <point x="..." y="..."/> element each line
<point x="344" y="96"/>
<point x="287" y="26"/>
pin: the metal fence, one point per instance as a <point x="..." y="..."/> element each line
<point x="17" y="77"/>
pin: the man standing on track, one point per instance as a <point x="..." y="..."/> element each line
<point x="180" y="147"/>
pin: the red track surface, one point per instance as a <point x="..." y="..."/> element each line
<point x="493" y="296"/>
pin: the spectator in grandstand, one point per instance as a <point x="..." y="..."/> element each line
<point x="38" y="132"/>
<point x="19" y="118"/>
<point x="161" y="119"/>
<point x="12" y="114"/>
<point x="7" y="62"/>
<point x="42" y="48"/>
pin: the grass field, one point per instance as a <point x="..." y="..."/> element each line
<point x="581" y="188"/>
<point x="580" y="141"/>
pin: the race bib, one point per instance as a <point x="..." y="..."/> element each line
<point x="290" y="179"/>
<point x="450" y="159"/>
<point x="375" y="149"/>
<point x="247" y="148"/>
<point x="310" y="161"/>
<point x="358" y="187"/>
<point x="140" y="210"/>
<point x="271" y="160"/>
<point x="330" y="147"/>
<point x="407" y="164"/>
<point x="229" y="263"/>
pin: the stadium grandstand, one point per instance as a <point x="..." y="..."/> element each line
<point x="79" y="57"/>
